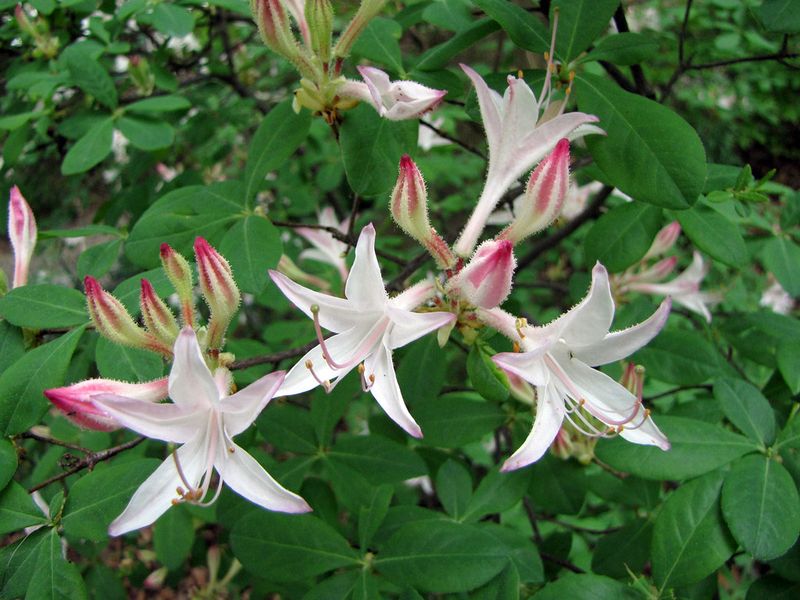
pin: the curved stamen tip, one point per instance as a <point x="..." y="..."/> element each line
<point x="314" y="308"/>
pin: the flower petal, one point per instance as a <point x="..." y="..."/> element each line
<point x="168" y="422"/>
<point x="190" y="382"/>
<point x="619" y="344"/>
<point x="520" y="111"/>
<point x="408" y="326"/>
<point x="549" y="416"/>
<point x="156" y="494"/>
<point x="247" y="478"/>
<point x="590" y="319"/>
<point x="242" y="408"/>
<point x="386" y="390"/>
<point x="646" y="434"/>
<point x="605" y="398"/>
<point x="528" y="365"/>
<point x="378" y="83"/>
<point x="364" y="287"/>
<point x="490" y="103"/>
<point x="335" y="314"/>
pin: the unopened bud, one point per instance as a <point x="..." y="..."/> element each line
<point x="366" y="12"/>
<point x="544" y="195"/>
<point x="289" y="268"/>
<point x="76" y="402"/>
<point x="486" y="280"/>
<point x="112" y="320"/>
<point x="22" y="233"/>
<point x="158" y="318"/>
<point x="219" y="290"/>
<point x="24" y="22"/>
<point x="139" y="71"/>
<point x="409" y="202"/>
<point x="275" y="27"/>
<point x="156" y="579"/>
<point x="658" y="271"/>
<point x="319" y="16"/>
<point x="664" y="241"/>
<point x="179" y="274"/>
<point x="520" y="389"/>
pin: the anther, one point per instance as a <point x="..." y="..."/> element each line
<point x="516" y="347"/>
<point x="325" y="384"/>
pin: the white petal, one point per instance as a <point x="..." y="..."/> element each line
<point x="607" y="397"/>
<point x="520" y="110"/>
<point x="616" y="346"/>
<point x="335" y="314"/>
<point x="549" y="416"/>
<point x="190" y="382"/>
<point x="247" y="478"/>
<point x="694" y="302"/>
<point x="541" y="141"/>
<point x="156" y="494"/>
<point x="242" y="408"/>
<point x="387" y="392"/>
<point x="528" y="365"/>
<point x="378" y="83"/>
<point x="408" y="326"/>
<point x="169" y="422"/>
<point x="589" y="320"/>
<point x="648" y="434"/>
<point x="490" y="103"/>
<point x="364" y="287"/>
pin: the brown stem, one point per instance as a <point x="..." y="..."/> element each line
<point x="271" y="358"/>
<point x="449" y="137"/>
<point x="30" y="435"/>
<point x="415" y="263"/>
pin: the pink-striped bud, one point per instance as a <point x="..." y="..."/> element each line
<point x="157" y="317"/>
<point x="112" y="320"/>
<point x="219" y="290"/>
<point x="664" y="241"/>
<point x="24" y="22"/>
<point x="180" y="276"/>
<point x="544" y="195"/>
<point x="486" y="280"/>
<point x="658" y="271"/>
<point x="275" y="27"/>
<point x="22" y="233"/>
<point x="318" y="23"/>
<point x="75" y="401"/>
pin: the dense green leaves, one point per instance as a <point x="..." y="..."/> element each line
<point x="650" y="153"/>
<point x="622" y="236"/>
<point x="173" y="535"/>
<point x="456" y="419"/>
<point x="252" y="246"/>
<point x="377" y="459"/>
<point x="44" y="306"/>
<point x="682" y="357"/>
<point x="623" y="49"/>
<point x="8" y="462"/>
<point x="521" y="26"/>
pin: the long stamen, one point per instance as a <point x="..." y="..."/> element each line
<point x="324" y="383"/>
<point x="359" y="353"/>
<point x="366" y="382"/>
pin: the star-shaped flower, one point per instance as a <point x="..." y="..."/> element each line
<point x="558" y="360"/>
<point x="368" y="325"/>
<point x="204" y="420"/>
<point x="394" y="100"/>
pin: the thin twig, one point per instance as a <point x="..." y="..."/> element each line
<point x="735" y="61"/>
<point x="271" y="358"/>
<point x="639" y="79"/>
<point x="351" y="225"/>
<point x="88" y="462"/>
<point x="560" y="561"/>
<point x="447" y="136"/>
<point x="681" y="388"/>
<point x="415" y="263"/>
<point x="537" y="535"/>
<point x="30" y="435"/>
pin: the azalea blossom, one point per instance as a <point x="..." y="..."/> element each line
<point x="558" y="360"/>
<point x="204" y="419"/>
<point x="684" y="289"/>
<point x="777" y="299"/>
<point x="77" y="404"/>
<point x="394" y="100"/>
<point x="22" y="233"/>
<point x="368" y="326"/>
<point x="486" y="280"/>
<point x="327" y="249"/>
<point x="521" y="130"/>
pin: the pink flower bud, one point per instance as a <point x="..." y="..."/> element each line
<point x="24" y="22"/>
<point x="158" y="318"/>
<point x="486" y="280"/>
<point x="22" y="233"/>
<point x="75" y="401"/>
<point x="180" y="276"/>
<point x="112" y="320"/>
<point x="409" y="202"/>
<point x="275" y="27"/>
<point x="544" y="195"/>
<point x="520" y="389"/>
<point x="658" y="271"/>
<point x="219" y="290"/>
<point x="664" y="240"/>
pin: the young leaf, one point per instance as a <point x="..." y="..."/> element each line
<point x="252" y="246"/>
<point x="746" y="407"/>
<point x="623" y="235"/>
<point x="715" y="234"/>
<point x="44" y="306"/>
<point x="91" y="149"/>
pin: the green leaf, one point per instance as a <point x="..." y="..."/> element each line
<point x="761" y="506"/>
<point x="379" y="43"/>
<point x="422" y="385"/>
<point x="159" y="104"/>
<point x="440" y="55"/>
<point x="91" y="149"/>
<point x="681" y="357"/>
<point x="146" y="134"/>
<point x="12" y="122"/>
<point x="650" y="152"/>
<point x="98" y="497"/>
<point x="690" y="540"/>
<point x="454" y="487"/>
<point x="504" y="586"/>
<point x="97" y="260"/>
<point x="21" y="385"/>
<point x="127" y="364"/>
<point x="89" y="75"/>
<point x="281" y="132"/>
<point x="486" y="377"/>
<point x="18" y="510"/>
<point x="586" y="587"/>
<point x="44" y="306"/>
<point x="453" y="420"/>
<point x="171" y="19"/>
<point x="8" y="462"/>
<point x="524" y="29"/>
<point x="623" y="49"/>
<point x="129" y="291"/>
<point x="86" y="230"/>
<point x="623" y="235"/>
<point x="579" y="23"/>
<point x="252" y="246"/>
<point x="173" y="536"/>
<point x="372" y="515"/>
<point x="557" y="486"/>
<point x="18" y="563"/>
<point x="55" y="577"/>
<point x="715" y="234"/>
<point x="288" y="428"/>
<point x="496" y="493"/>
<point x="283" y="547"/>
<point x="379" y="460"/>
<point x="697" y="447"/>
<point x="773" y="588"/>
<point x="12" y="347"/>
<point x="623" y="550"/>
<point x="788" y="358"/>
<point x="782" y="16"/>
<point x="746" y="407"/>
<point x="441" y="556"/>
<point x="371" y="149"/>
<point x="782" y="257"/>
<point x="181" y="215"/>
